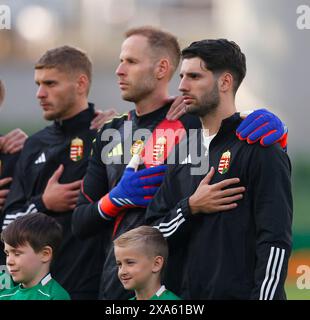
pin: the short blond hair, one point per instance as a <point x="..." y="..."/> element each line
<point x="67" y="59"/>
<point x="161" y="42"/>
<point x="148" y="238"/>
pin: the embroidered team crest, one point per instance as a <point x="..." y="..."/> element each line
<point x="76" y="149"/>
<point x="137" y="147"/>
<point x="159" y="150"/>
<point x="224" y="162"/>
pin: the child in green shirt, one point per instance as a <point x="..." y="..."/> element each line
<point x="141" y="255"/>
<point x="30" y="242"/>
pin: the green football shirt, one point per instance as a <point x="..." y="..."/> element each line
<point x="162" y="294"/>
<point x="46" y="289"/>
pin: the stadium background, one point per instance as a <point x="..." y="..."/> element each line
<point x="267" y="31"/>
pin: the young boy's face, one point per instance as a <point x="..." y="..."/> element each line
<point x="24" y="264"/>
<point x="135" y="268"/>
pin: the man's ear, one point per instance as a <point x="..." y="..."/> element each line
<point x="225" y="82"/>
<point x="158" y="264"/>
<point x="46" y="254"/>
<point x="162" y="68"/>
<point x="82" y="83"/>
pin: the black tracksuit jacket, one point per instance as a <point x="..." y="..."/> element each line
<point x="238" y="254"/>
<point x="7" y="166"/>
<point x="100" y="178"/>
<point x="77" y="264"/>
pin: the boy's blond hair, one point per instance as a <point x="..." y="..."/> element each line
<point x="149" y="239"/>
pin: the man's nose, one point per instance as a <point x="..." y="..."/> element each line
<point x="120" y="70"/>
<point x="183" y="87"/>
<point x="41" y="92"/>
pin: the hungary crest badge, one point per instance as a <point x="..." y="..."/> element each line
<point x="159" y="150"/>
<point x="137" y="147"/>
<point x="224" y="162"/>
<point x="76" y="149"/>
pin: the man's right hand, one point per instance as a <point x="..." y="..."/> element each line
<point x="13" y="141"/>
<point x="4" y="192"/>
<point x="177" y="109"/>
<point x="101" y="117"/>
<point x="60" y="197"/>
<point x="210" y="198"/>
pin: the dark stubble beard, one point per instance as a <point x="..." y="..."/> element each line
<point x="67" y="104"/>
<point x="208" y="103"/>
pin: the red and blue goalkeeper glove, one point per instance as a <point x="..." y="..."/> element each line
<point x="135" y="189"/>
<point x="264" y="126"/>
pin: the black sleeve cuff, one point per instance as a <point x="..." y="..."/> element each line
<point x="185" y="209"/>
<point x="38" y="202"/>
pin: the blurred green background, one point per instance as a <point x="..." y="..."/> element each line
<point x="301" y="226"/>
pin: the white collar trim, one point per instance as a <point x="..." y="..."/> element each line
<point x="160" y="291"/>
<point x="46" y="279"/>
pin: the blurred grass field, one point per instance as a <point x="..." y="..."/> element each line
<point x="293" y="293"/>
<point x="298" y="258"/>
<point x="301" y="227"/>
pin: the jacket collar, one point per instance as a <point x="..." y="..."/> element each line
<point x="77" y="123"/>
<point x="227" y="129"/>
<point x="230" y="124"/>
<point x="149" y="118"/>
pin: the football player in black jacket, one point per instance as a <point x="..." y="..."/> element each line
<point x="53" y="162"/>
<point x="230" y="243"/>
